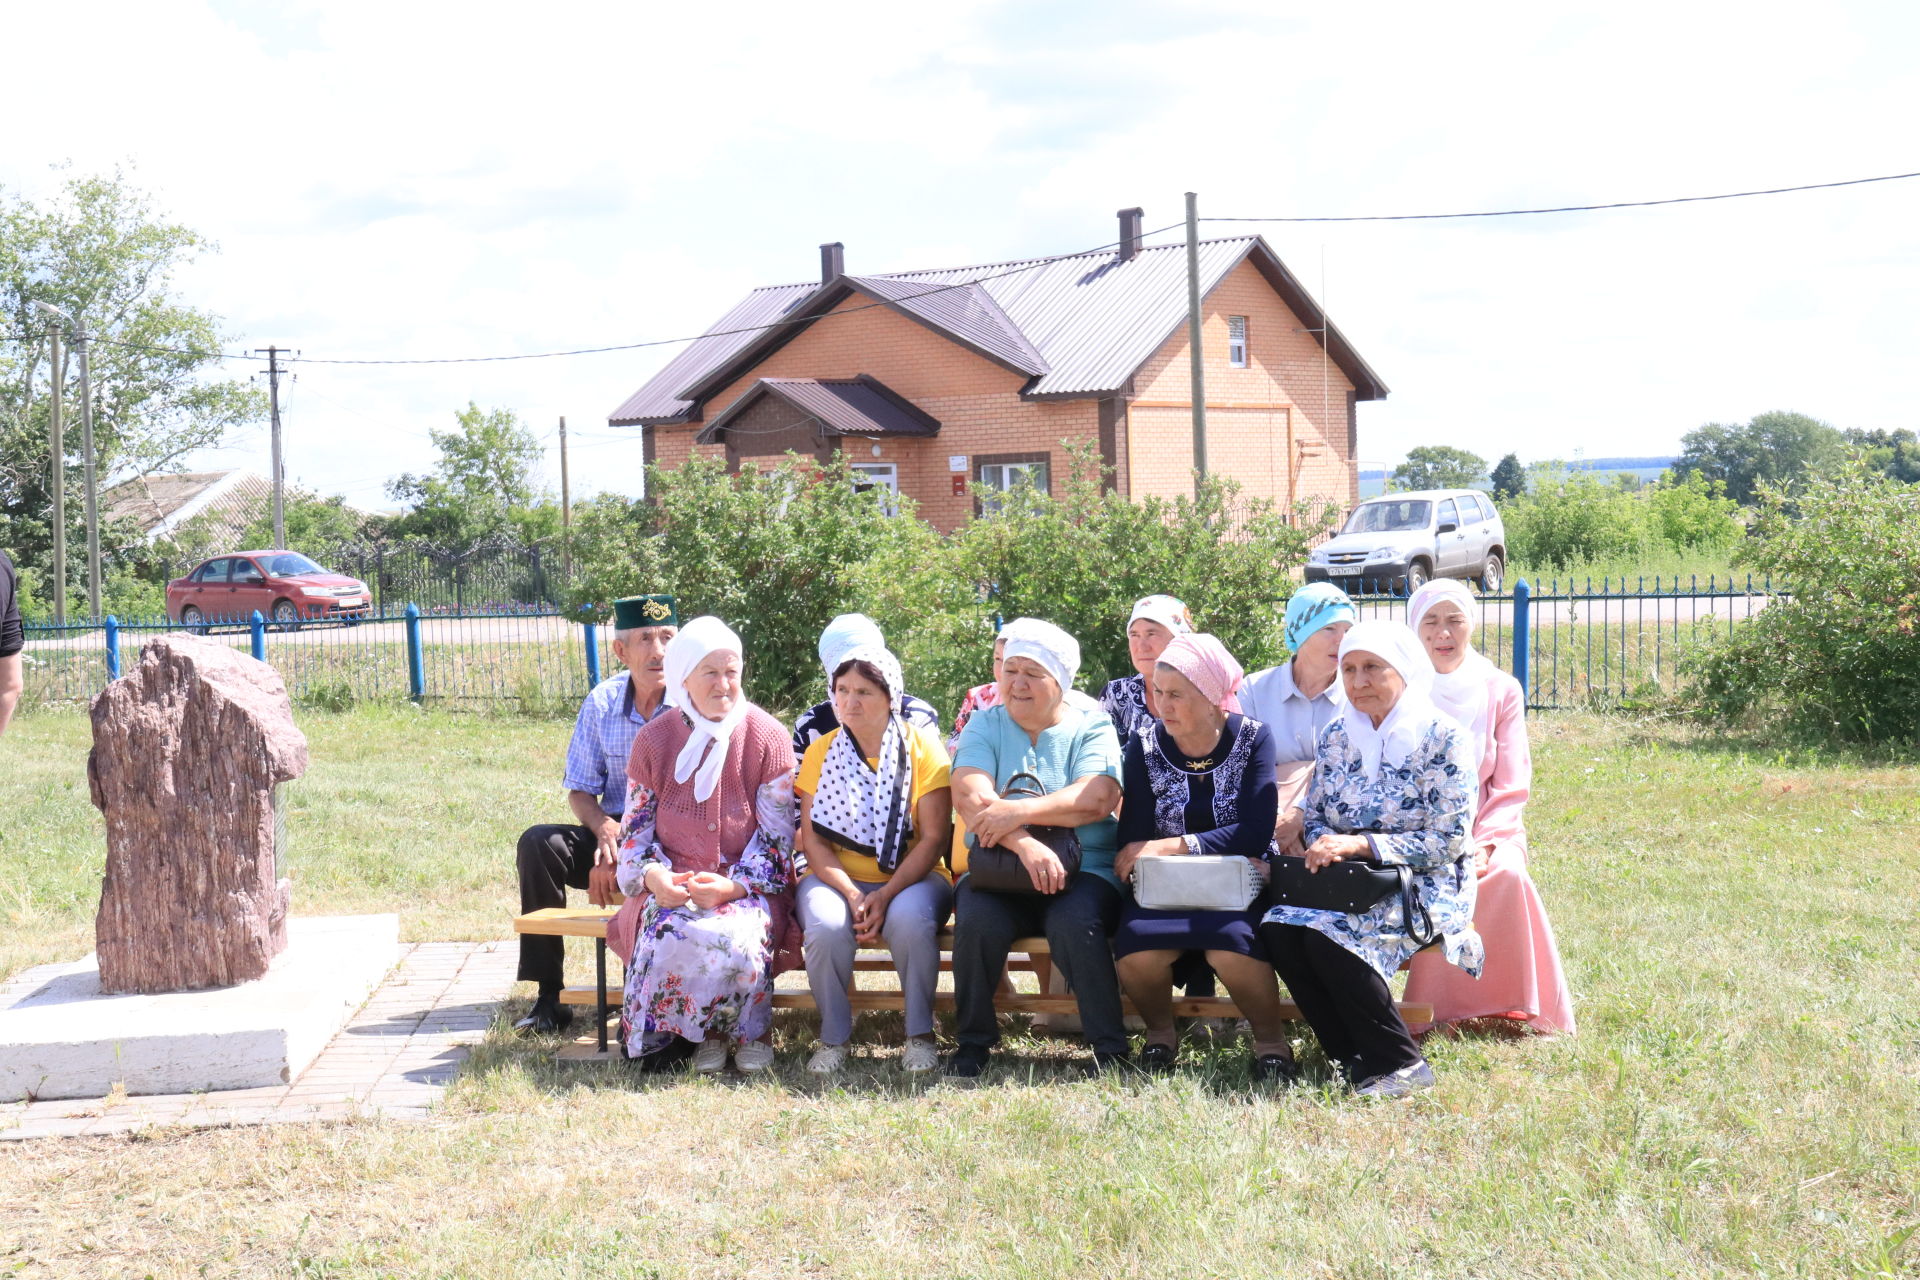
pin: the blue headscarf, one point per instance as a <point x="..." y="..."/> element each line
<point x="1316" y="605"/>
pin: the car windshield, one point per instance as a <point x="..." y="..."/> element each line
<point x="1389" y="517"/>
<point x="289" y="564"/>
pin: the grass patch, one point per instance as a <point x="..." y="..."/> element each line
<point x="1743" y="1099"/>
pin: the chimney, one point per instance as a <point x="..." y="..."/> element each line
<point x="833" y="261"/>
<point x="1130" y="237"/>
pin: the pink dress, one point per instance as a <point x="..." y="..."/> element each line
<point x="1522" y="978"/>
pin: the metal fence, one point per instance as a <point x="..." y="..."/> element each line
<point x="1570" y="644"/>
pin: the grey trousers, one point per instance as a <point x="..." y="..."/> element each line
<point x="911" y="931"/>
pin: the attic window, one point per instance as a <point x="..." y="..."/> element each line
<point x="1237" y="341"/>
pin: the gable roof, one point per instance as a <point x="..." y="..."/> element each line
<point x="861" y="406"/>
<point x="159" y="504"/>
<point x="1078" y="326"/>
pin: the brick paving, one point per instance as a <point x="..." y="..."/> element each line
<point x="393" y="1059"/>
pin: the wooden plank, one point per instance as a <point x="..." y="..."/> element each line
<point x="566" y="922"/>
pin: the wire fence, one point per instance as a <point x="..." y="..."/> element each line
<point x="1571" y="645"/>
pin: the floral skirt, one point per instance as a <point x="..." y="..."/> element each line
<point x="698" y="973"/>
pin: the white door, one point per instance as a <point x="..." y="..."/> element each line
<point x="879" y="475"/>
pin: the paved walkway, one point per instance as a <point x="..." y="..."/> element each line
<point x="394" y="1059"/>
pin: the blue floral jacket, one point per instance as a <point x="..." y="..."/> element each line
<point x="1417" y="816"/>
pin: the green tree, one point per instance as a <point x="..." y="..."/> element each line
<point x="314" y="524"/>
<point x="99" y="251"/>
<point x="1439" y="466"/>
<point x="1892" y="453"/>
<point x="1779" y="448"/>
<point x="1692" y="513"/>
<point x="485" y="485"/>
<point x="1509" y="478"/>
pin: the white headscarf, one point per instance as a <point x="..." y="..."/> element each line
<point x="686" y="651"/>
<point x="843" y="635"/>
<point x="1046" y="644"/>
<point x="1400" y="732"/>
<point x="1465" y="692"/>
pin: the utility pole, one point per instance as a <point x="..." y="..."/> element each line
<point x="279" y="470"/>
<point x="566" y="510"/>
<point x="1193" y="344"/>
<point x="59" y="449"/>
<point x="80" y="349"/>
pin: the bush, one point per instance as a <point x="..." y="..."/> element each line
<point x="1840" y="658"/>
<point x="1693" y="513"/>
<point x="1572" y="518"/>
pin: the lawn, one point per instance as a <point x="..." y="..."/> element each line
<point x="1743" y="1098"/>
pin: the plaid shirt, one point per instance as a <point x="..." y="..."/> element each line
<point x="602" y="740"/>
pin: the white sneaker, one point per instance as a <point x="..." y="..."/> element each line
<point x="920" y="1056"/>
<point x="711" y="1056"/>
<point x="753" y="1056"/>
<point x="827" y="1059"/>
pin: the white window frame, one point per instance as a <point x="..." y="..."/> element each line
<point x="884" y="475"/>
<point x="1237" y="347"/>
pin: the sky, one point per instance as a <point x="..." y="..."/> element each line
<point x="424" y="181"/>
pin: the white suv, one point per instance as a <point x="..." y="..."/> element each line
<point x="1400" y="540"/>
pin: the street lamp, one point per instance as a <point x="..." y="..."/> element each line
<point x="80" y="345"/>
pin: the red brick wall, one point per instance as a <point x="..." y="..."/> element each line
<point x="1248" y="410"/>
<point x="976" y="401"/>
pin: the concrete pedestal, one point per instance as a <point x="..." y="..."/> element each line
<point x="61" y="1038"/>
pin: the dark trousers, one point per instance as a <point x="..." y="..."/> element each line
<point x="1348" y="1005"/>
<point x="1077" y="922"/>
<point x="551" y="858"/>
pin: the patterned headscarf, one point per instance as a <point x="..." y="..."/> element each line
<point x="1166" y="611"/>
<point x="1316" y="605"/>
<point x="1207" y="665"/>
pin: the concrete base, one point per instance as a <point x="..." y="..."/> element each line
<point x="60" y="1037"/>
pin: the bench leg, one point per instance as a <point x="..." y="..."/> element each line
<point x="600" y="985"/>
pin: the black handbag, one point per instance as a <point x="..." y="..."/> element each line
<point x="1000" y="870"/>
<point x="1350" y="886"/>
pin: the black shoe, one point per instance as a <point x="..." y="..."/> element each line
<point x="1398" y="1084"/>
<point x="967" y="1062"/>
<point x="1158" y="1058"/>
<point x="1105" y="1061"/>
<point x="545" y="1018"/>
<point x="1276" y="1068"/>
<point x="666" y="1058"/>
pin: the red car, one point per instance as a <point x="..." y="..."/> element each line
<point x="285" y="586"/>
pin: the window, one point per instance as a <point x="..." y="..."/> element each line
<point x="212" y="571"/>
<point x="878" y="475"/>
<point x="1448" y="514"/>
<point x="290" y="564"/>
<point x="1237" y="341"/>
<point x="1472" y="510"/>
<point x="246" y="571"/>
<point x="1006" y="472"/>
<point x="1389" y="516"/>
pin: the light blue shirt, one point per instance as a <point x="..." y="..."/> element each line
<point x="1082" y="745"/>
<point x="1272" y="698"/>
<point x="602" y="742"/>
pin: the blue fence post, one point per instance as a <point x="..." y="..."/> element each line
<point x="1522" y="638"/>
<point x="113" y="647"/>
<point x="591" y="630"/>
<point x="416" y="664"/>
<point x="257" y="630"/>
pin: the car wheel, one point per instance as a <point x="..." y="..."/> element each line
<point x="1417" y="576"/>
<point x="1493" y="576"/>
<point x="285" y="616"/>
<point x="193" y="620"/>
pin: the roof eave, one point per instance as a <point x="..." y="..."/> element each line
<point x="1367" y="384"/>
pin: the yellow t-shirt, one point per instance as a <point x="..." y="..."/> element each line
<point x="931" y="770"/>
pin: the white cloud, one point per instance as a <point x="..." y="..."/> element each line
<point x="425" y="181"/>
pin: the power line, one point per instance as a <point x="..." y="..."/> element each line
<point x="1583" y="208"/>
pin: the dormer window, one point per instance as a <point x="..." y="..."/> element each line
<point x="1237" y="341"/>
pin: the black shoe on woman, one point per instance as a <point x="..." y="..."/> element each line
<point x="1158" y="1058"/>
<point x="1275" y="1068"/>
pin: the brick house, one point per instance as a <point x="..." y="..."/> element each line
<point x="928" y="380"/>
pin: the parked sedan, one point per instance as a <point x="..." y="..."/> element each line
<point x="285" y="586"/>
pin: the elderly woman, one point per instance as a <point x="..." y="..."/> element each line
<point x="847" y="632"/>
<point x="1073" y="752"/>
<point x="707" y="850"/>
<point x="1522" y="983"/>
<point x="1198" y="781"/>
<point x="1156" y="620"/>
<point x="875" y="812"/>
<point x="1392" y="784"/>
<point x="1298" y="698"/>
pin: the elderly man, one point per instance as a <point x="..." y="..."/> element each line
<point x="12" y="640"/>
<point x="842" y="636"/>
<point x="552" y="858"/>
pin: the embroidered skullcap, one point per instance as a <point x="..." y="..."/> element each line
<point x="1166" y="611"/>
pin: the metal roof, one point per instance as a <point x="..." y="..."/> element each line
<point x="861" y="406"/>
<point x="1081" y="326"/>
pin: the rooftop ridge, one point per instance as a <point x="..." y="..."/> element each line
<point x="1042" y="261"/>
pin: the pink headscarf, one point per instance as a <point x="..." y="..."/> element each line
<point x="1204" y="661"/>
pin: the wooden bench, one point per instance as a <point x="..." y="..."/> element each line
<point x="1031" y="955"/>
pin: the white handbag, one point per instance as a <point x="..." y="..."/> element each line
<point x="1194" y="883"/>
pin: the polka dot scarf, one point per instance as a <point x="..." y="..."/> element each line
<point x="861" y="807"/>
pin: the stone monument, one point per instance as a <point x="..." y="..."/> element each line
<point x="187" y="750"/>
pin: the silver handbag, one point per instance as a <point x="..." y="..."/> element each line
<point x="1195" y="883"/>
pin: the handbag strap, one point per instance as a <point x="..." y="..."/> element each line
<point x="1423" y="934"/>
<point x="1037" y="790"/>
